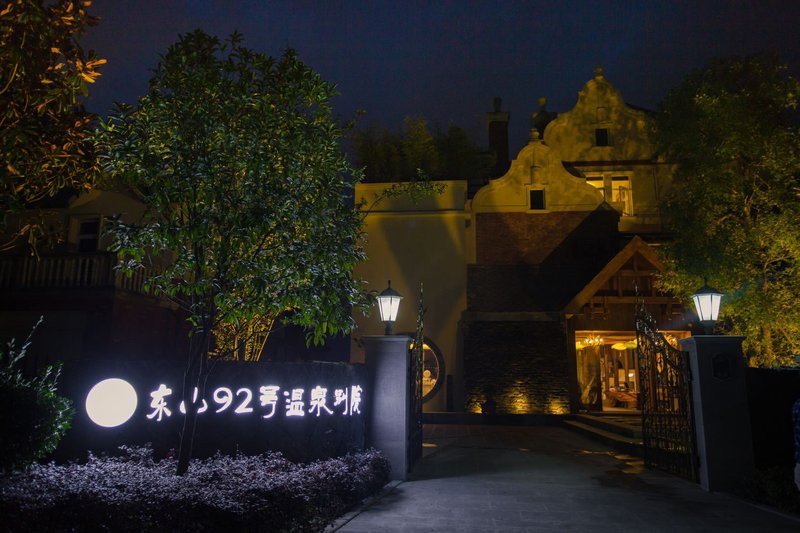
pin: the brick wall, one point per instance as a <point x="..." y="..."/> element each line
<point x="530" y="238"/>
<point x="529" y="262"/>
<point x="522" y="364"/>
<point x="533" y="262"/>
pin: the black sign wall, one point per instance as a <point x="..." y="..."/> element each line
<point x="304" y="410"/>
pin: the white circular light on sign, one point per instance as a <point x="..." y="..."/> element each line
<point x="111" y="402"/>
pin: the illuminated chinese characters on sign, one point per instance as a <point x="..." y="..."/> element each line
<point x="266" y="401"/>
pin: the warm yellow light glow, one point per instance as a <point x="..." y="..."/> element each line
<point x="520" y="406"/>
<point x="591" y="340"/>
<point x="557" y="407"/>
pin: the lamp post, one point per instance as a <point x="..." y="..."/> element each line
<point x="706" y="303"/>
<point x="388" y="305"/>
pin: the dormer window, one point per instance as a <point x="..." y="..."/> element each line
<point x="601" y="137"/>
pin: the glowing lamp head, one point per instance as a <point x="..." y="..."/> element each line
<point x="706" y="303"/>
<point x="111" y="402"/>
<point x="388" y="305"/>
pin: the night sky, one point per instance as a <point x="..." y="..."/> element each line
<point x="447" y="60"/>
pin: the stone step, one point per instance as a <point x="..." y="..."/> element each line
<point x="624" y="425"/>
<point x="615" y="441"/>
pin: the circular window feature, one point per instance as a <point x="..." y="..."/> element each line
<point x="432" y="369"/>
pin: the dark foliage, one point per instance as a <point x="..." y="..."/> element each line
<point x="44" y="143"/>
<point x="449" y="154"/>
<point x="132" y="492"/>
<point x="33" y="417"/>
<point x="775" y="486"/>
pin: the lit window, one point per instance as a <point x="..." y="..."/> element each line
<point x="621" y="194"/>
<point x="616" y="190"/>
<point x="597" y="183"/>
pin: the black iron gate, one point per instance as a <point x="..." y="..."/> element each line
<point x="667" y="424"/>
<point x="415" y="381"/>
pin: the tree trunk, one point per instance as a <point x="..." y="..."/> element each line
<point x="194" y="377"/>
<point x="191" y="379"/>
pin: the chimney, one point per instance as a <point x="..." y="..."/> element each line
<point x="497" y="124"/>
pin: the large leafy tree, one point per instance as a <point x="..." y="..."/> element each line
<point x="732" y="130"/>
<point x="43" y="128"/>
<point x="235" y="155"/>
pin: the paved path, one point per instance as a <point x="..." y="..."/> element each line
<point x="497" y="478"/>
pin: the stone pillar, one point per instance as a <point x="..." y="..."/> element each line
<point x="387" y="359"/>
<point x="720" y="410"/>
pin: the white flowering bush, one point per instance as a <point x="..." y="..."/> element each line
<point x="133" y="492"/>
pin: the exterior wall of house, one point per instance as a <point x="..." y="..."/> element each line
<point x="531" y="249"/>
<point x="411" y="244"/>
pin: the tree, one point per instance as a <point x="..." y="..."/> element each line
<point x="732" y="131"/>
<point x="392" y="157"/>
<point x="419" y="148"/>
<point x="43" y="128"/>
<point x="235" y="156"/>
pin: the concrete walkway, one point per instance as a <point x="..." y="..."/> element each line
<point x="500" y="478"/>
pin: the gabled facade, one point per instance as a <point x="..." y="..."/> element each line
<point x="550" y="257"/>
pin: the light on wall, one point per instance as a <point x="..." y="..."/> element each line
<point x="388" y="305"/>
<point x="706" y="303"/>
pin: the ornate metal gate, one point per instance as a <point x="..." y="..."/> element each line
<point x="415" y="380"/>
<point x="667" y="425"/>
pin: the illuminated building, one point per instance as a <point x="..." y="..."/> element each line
<point x="525" y="277"/>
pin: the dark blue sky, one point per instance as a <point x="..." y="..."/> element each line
<point x="447" y="60"/>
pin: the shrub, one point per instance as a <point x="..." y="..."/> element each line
<point x="133" y="492"/>
<point x="775" y="486"/>
<point x="33" y="418"/>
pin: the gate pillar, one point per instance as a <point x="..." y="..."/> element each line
<point x="387" y="359"/>
<point x="720" y="409"/>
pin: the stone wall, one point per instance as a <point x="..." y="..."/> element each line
<point x="521" y="364"/>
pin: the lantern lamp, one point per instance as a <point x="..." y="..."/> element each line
<point x="388" y="305"/>
<point x="706" y="303"/>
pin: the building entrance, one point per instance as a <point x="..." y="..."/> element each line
<point x="608" y="369"/>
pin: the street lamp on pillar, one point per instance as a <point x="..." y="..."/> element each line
<point x="706" y="303"/>
<point x="388" y="305"/>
